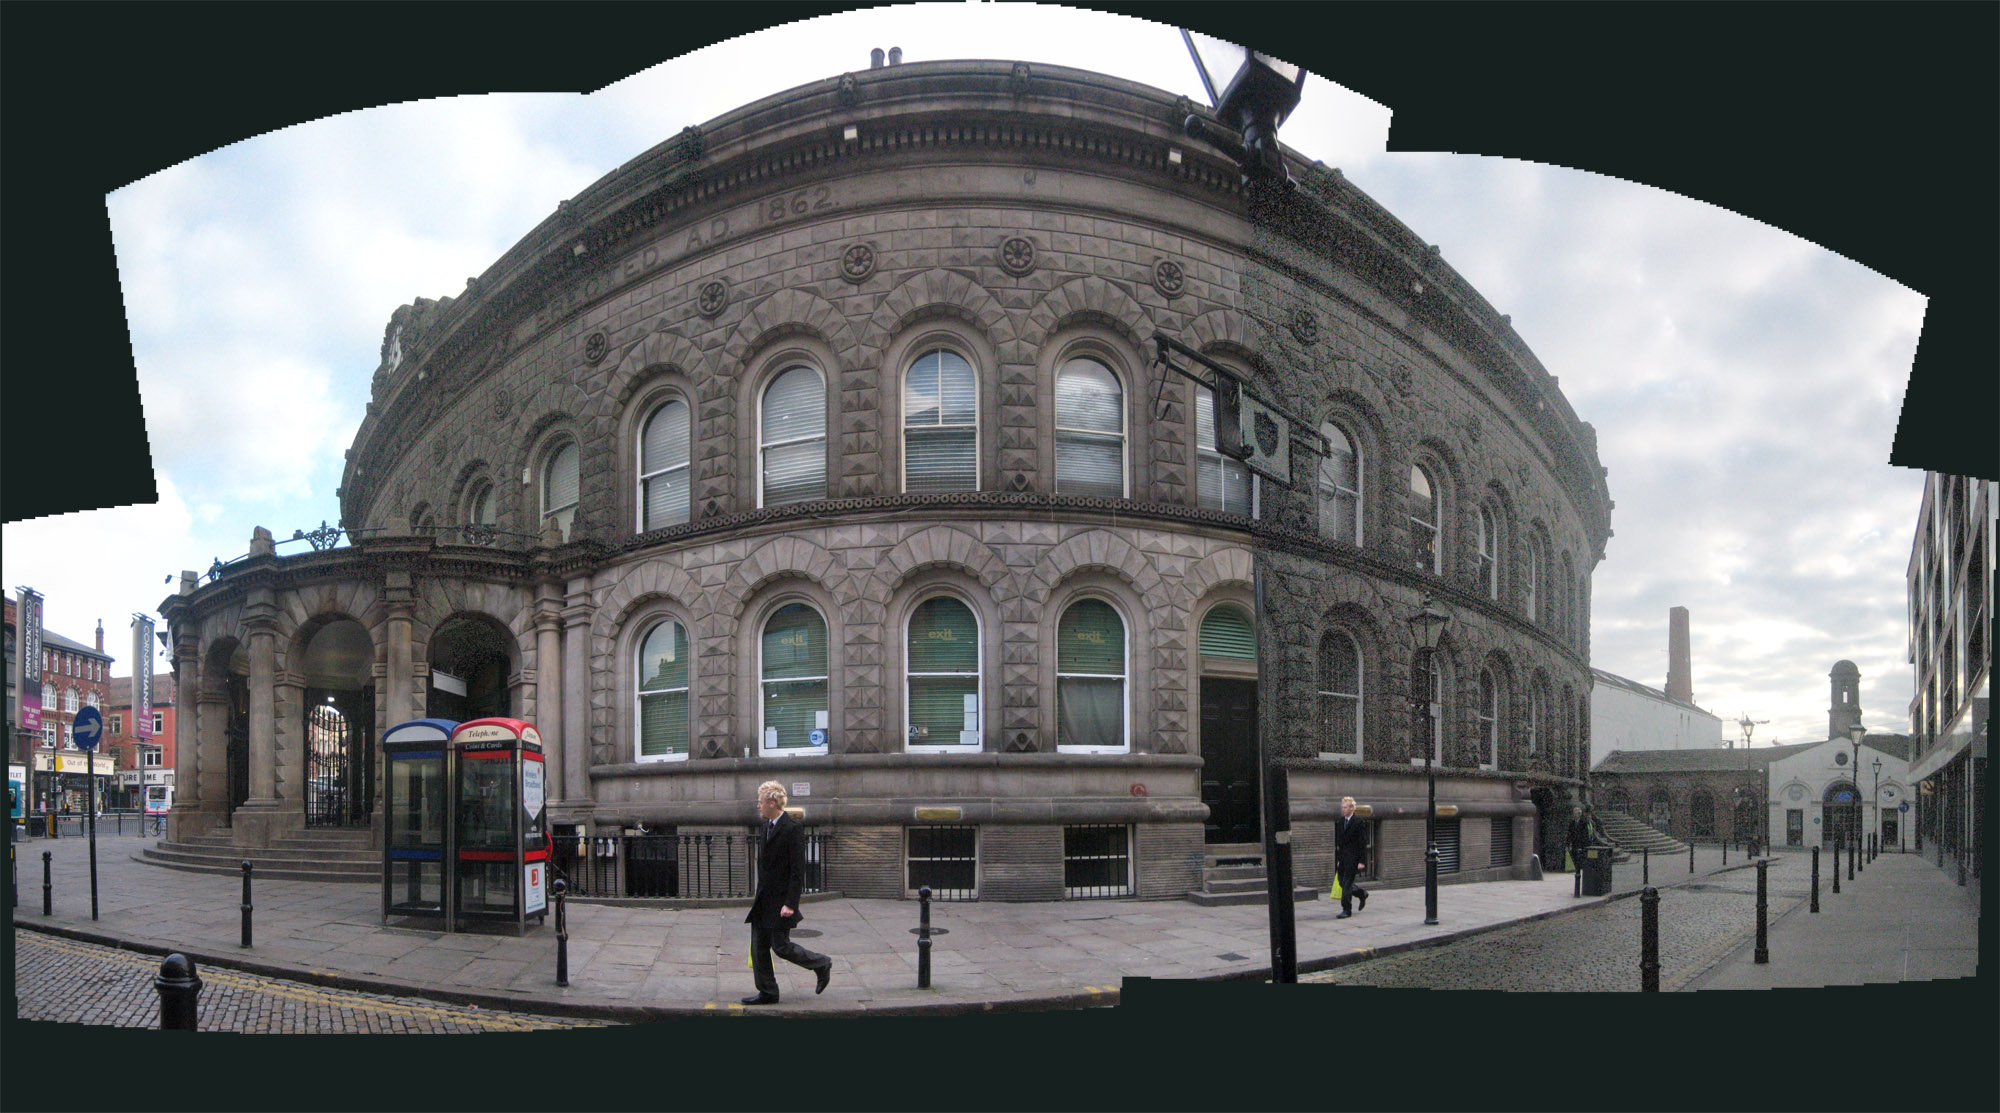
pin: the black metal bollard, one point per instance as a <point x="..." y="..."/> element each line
<point x="561" y="890"/>
<point x="179" y="988"/>
<point x="1850" y="860"/>
<point x="1961" y="867"/>
<point x="1576" y="881"/>
<point x="1690" y="855"/>
<point x="48" y="887"/>
<point x="1649" y="940"/>
<point x="1815" y="879"/>
<point x="1836" y="867"/>
<point x="924" y="937"/>
<point x="1645" y="865"/>
<point x="1763" y="954"/>
<point x="246" y="903"/>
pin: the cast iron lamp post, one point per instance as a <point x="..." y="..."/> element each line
<point x="1877" y="797"/>
<point x="1260" y="92"/>
<point x="1855" y="732"/>
<point x="1428" y="625"/>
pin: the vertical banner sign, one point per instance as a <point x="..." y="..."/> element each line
<point x="142" y="677"/>
<point x="30" y="660"/>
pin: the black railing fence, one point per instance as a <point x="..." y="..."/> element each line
<point x="673" y="865"/>
<point x="122" y="821"/>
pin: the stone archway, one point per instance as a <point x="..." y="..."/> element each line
<point x="336" y="665"/>
<point x="471" y="660"/>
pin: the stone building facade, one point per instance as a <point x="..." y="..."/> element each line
<point x="825" y="442"/>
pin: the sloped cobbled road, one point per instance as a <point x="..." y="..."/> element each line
<point x="1595" y="950"/>
<point x="70" y="981"/>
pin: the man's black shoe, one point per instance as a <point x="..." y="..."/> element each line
<point x="825" y="974"/>
<point x="761" y="999"/>
<point x="1343" y="915"/>
<point x="1363" y="898"/>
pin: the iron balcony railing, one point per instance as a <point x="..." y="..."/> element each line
<point x="674" y="866"/>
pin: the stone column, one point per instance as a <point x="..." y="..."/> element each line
<point x="188" y="681"/>
<point x="261" y="619"/>
<point x="575" y="683"/>
<point x="398" y="696"/>
<point x="549" y="694"/>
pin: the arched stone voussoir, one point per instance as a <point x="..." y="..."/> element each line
<point x="641" y="584"/>
<point x="787" y="311"/>
<point x="939" y="546"/>
<point x="781" y="557"/>
<point x="1089" y="296"/>
<point x="936" y="290"/>
<point x="1099" y="550"/>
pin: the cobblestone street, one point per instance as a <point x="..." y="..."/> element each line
<point x="1596" y="949"/>
<point x="69" y="981"/>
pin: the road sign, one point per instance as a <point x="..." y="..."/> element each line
<point x="816" y="738"/>
<point x="1903" y="807"/>
<point x="88" y="729"/>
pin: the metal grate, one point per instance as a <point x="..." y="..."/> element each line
<point x="1503" y="841"/>
<point x="1097" y="861"/>
<point x="1447" y="840"/>
<point x="944" y="857"/>
<point x="672" y="866"/>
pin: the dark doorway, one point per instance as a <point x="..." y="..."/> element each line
<point x="1841" y="808"/>
<point x="1229" y="759"/>
<point x="237" y="733"/>
<point x="469" y="667"/>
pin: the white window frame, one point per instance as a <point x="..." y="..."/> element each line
<point x="1360" y="681"/>
<point x="564" y="514"/>
<point x="159" y="723"/>
<point x="1489" y="552"/>
<point x="1537" y="557"/>
<point x="1434" y="526"/>
<point x="1205" y="450"/>
<point x="117" y="723"/>
<point x="1124" y="682"/>
<point x="640" y="695"/>
<point x="978" y="678"/>
<point x="764" y="750"/>
<point x="1124" y="424"/>
<point x="1492" y="709"/>
<point x="765" y="446"/>
<point x="152" y="756"/>
<point x="929" y="351"/>
<point x="480" y="505"/>
<point x="1537" y="710"/>
<point x="1328" y="483"/>
<point x="686" y="465"/>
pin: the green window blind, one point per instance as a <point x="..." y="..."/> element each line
<point x="943" y="670"/>
<point x="1091" y="639"/>
<point x="663" y="691"/>
<point x="794" y="673"/>
<point x="1228" y="632"/>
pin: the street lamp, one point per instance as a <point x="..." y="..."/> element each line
<point x="1855" y="732"/>
<point x="1428" y="625"/>
<point x="1260" y="92"/>
<point x="1876" y="799"/>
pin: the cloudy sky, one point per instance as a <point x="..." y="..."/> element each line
<point x="1745" y="383"/>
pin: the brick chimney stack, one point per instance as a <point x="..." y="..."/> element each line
<point x="100" y="635"/>
<point x="1680" y="676"/>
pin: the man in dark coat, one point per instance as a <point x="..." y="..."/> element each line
<point x="781" y="881"/>
<point x="1580" y="835"/>
<point x="1350" y="849"/>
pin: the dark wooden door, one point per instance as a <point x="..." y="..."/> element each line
<point x="1229" y="759"/>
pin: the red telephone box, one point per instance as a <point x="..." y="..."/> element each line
<point x="500" y="832"/>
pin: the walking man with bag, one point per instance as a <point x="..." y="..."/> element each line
<point x="1350" y="848"/>
<point x="781" y="882"/>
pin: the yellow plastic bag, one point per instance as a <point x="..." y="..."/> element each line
<point x="1569" y="862"/>
<point x="1336" y="885"/>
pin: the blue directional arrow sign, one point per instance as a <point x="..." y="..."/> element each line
<point x="88" y="729"/>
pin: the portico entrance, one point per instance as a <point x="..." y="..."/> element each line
<point x="1229" y="726"/>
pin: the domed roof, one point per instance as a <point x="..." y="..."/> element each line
<point x="1845" y="668"/>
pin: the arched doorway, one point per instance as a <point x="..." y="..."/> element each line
<point x="1701" y="814"/>
<point x="1620" y="801"/>
<point x="1660" y="809"/>
<point x="470" y="661"/>
<point x="1229" y="783"/>
<point x="336" y="663"/>
<point x="1840" y="811"/>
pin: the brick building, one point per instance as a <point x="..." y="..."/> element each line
<point x="140" y="761"/>
<point x="825" y="442"/>
<point x="74" y="676"/>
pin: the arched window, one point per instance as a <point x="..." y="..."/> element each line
<point x="792" y="438"/>
<point x="559" y="486"/>
<point x="940" y="424"/>
<point x="1492" y="710"/>
<point x="1701" y="814"/>
<point x="662" y="712"/>
<point x="1489" y="553"/>
<point x="1339" y="694"/>
<point x="1534" y="575"/>
<point x="1535" y="723"/>
<point x="664" y="446"/>
<point x="942" y="674"/>
<point x="1566" y="621"/>
<point x="90" y="698"/>
<point x="69" y="699"/>
<point x="1340" y="487"/>
<point x="1090" y="430"/>
<point x="1425" y="514"/>
<point x="1428" y="674"/>
<point x="1090" y="679"/>
<point x="792" y="662"/>
<point x="479" y="507"/>
<point x="1220" y="482"/>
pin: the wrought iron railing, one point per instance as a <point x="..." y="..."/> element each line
<point x="675" y="866"/>
<point x="328" y="537"/>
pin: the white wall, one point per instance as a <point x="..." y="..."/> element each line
<point x="1624" y="720"/>
<point x="1799" y="782"/>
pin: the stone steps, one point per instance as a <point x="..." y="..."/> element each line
<point x="1631" y="835"/>
<point x="1233" y="873"/>
<point x="313" y="856"/>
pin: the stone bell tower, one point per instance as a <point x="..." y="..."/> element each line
<point x="1845" y="709"/>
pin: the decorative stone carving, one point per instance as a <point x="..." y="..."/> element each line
<point x="1019" y="81"/>
<point x="500" y="403"/>
<point x="595" y="346"/>
<point x="1017" y="255"/>
<point x="713" y="298"/>
<point x="857" y="262"/>
<point x="438" y="450"/>
<point x="1305" y="325"/>
<point x="1168" y="278"/>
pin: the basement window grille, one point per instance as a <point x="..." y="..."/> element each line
<point x="1447" y="840"/>
<point x="1503" y="841"/>
<point x="944" y="857"/>
<point x="1097" y="861"/>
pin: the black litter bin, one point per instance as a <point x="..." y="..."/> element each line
<point x="1596" y="867"/>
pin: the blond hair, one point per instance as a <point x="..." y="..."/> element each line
<point x="771" y="790"/>
<point x="1347" y="799"/>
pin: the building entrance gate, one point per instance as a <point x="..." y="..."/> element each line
<point x="1841" y="810"/>
<point x="340" y="786"/>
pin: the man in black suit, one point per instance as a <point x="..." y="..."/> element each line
<point x="781" y="881"/>
<point x="1350" y="847"/>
